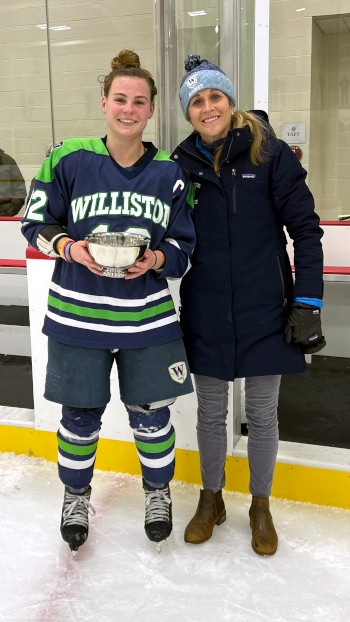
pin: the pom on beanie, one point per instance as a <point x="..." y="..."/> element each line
<point x="202" y="74"/>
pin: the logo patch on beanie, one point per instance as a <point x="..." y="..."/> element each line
<point x="192" y="81"/>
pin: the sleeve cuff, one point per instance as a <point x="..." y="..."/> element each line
<point x="316" y="302"/>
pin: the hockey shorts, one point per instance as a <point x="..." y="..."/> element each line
<point x="80" y="377"/>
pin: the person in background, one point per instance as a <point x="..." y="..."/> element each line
<point x="12" y="186"/>
<point x="262" y="114"/>
<point x="241" y="315"/>
<point x="49" y="148"/>
<point x="117" y="183"/>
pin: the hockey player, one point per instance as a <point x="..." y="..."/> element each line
<point x="116" y="183"/>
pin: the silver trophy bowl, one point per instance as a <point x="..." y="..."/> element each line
<point x="116" y="252"/>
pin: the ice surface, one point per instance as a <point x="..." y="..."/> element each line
<point x="118" y="575"/>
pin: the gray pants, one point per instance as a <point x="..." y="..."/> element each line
<point x="261" y="393"/>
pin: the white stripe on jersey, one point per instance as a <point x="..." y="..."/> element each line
<point x="108" y="300"/>
<point x="106" y="328"/>
<point x="173" y="242"/>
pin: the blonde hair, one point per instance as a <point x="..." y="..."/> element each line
<point x="260" y="130"/>
<point x="127" y="63"/>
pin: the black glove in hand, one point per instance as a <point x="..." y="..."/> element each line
<point x="304" y="327"/>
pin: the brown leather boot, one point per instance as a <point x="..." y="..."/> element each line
<point x="264" y="536"/>
<point x="210" y="512"/>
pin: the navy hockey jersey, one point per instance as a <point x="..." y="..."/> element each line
<point x="82" y="188"/>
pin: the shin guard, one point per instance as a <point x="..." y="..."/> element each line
<point x="77" y="444"/>
<point x="155" y="443"/>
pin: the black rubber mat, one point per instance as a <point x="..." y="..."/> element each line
<point x="315" y="407"/>
<point x="14" y="315"/>
<point x="16" y="383"/>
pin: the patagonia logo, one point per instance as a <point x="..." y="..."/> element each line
<point x="248" y="175"/>
<point x="178" y="372"/>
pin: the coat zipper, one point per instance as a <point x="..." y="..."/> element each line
<point x="234" y="203"/>
<point x="282" y="280"/>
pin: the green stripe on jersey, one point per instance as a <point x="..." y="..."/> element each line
<point x="96" y="145"/>
<point x="190" y="195"/>
<point x="113" y="316"/>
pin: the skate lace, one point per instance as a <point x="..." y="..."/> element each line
<point x="77" y="508"/>
<point x="157" y="505"/>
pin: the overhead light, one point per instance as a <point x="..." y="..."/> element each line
<point x="44" y="27"/>
<point x="60" y="28"/>
<point x="297" y="10"/>
<point x="196" y="13"/>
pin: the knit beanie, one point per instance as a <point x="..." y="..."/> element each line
<point x="202" y="74"/>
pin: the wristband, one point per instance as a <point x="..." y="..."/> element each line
<point x="62" y="248"/>
<point x="66" y="250"/>
<point x="155" y="260"/>
<point x="61" y="240"/>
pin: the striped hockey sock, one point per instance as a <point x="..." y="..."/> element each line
<point x="76" y="458"/>
<point x="155" y="443"/>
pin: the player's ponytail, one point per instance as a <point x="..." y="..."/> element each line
<point x="127" y="63"/>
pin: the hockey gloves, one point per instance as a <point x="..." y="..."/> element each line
<point x="304" y="327"/>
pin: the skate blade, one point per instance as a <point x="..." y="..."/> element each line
<point x="160" y="546"/>
<point x="74" y="553"/>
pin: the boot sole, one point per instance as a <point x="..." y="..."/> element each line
<point x="221" y="519"/>
<point x="263" y="554"/>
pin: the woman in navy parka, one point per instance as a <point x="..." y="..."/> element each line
<point x="241" y="314"/>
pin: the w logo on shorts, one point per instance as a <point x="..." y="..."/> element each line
<point x="178" y="372"/>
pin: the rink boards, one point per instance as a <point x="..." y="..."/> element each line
<point x="303" y="472"/>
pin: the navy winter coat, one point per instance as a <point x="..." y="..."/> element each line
<point x="236" y="297"/>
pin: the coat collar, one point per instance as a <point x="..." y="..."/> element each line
<point x="238" y="141"/>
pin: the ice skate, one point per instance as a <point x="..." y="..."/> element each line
<point x="158" y="514"/>
<point x="75" y="518"/>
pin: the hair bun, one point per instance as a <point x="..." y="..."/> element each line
<point x="125" y="58"/>
<point x="192" y="61"/>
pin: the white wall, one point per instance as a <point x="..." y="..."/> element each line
<point x="13" y="282"/>
<point x="309" y="83"/>
<point x="52" y="88"/>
